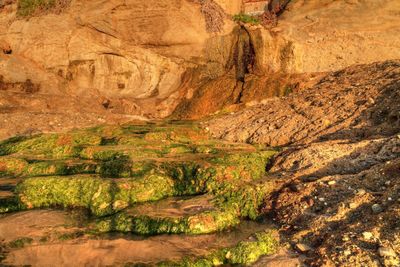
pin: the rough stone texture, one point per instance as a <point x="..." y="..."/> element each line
<point x="310" y="38"/>
<point x="130" y="49"/>
<point x="356" y="102"/>
<point x="330" y="190"/>
<point x="330" y="35"/>
<point x="111" y="60"/>
<point x="231" y="6"/>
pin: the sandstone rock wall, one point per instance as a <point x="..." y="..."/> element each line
<point x="154" y="55"/>
<point x="231" y="6"/>
<point x="329" y="35"/>
<point x="132" y="49"/>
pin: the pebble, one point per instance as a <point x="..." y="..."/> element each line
<point x="386" y="252"/>
<point x="301" y="247"/>
<point x="228" y="255"/>
<point x="376" y="208"/>
<point x="361" y="191"/>
<point x="296" y="187"/>
<point x="347" y="252"/>
<point x="352" y="205"/>
<point x="331" y="182"/>
<point x="371" y="100"/>
<point x="367" y="235"/>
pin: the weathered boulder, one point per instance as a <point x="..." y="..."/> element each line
<point x="313" y="36"/>
<point x="130" y="49"/>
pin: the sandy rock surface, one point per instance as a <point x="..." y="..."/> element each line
<point x="356" y="102"/>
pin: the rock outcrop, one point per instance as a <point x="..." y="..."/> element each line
<point x="116" y="49"/>
<point x="357" y="102"/>
<point x="149" y="59"/>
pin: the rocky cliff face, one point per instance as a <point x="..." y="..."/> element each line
<point x="311" y="37"/>
<point x="149" y="58"/>
<point x="132" y="49"/>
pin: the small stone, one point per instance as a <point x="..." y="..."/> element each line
<point x="228" y="255"/>
<point x="347" y="252"/>
<point x="296" y="187"/>
<point x="352" y="205"/>
<point x="310" y="179"/>
<point x="387" y="182"/>
<point x="331" y="182"/>
<point x="310" y="202"/>
<point x="361" y="191"/>
<point x="367" y="235"/>
<point x="321" y="199"/>
<point x="301" y="247"/>
<point x="386" y="252"/>
<point x="376" y="208"/>
<point x="371" y="100"/>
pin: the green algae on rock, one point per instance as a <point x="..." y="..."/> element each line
<point x="244" y="253"/>
<point x="100" y="196"/>
<point x="114" y="172"/>
<point x="113" y="168"/>
<point x="10" y="205"/>
<point x="204" y="222"/>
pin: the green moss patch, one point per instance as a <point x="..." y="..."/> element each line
<point x="110" y="172"/>
<point x="246" y="19"/>
<point x="101" y="196"/>
<point x="243" y="254"/>
<point x="27" y="8"/>
<point x="10" y="205"/>
<point x="108" y="169"/>
<point x="20" y="243"/>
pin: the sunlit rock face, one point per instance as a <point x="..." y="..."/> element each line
<point x="148" y="57"/>
<point x="130" y="49"/>
<point x="336" y="34"/>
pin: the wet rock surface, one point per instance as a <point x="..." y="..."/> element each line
<point x="148" y="179"/>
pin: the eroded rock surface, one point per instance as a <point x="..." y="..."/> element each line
<point x="357" y="102"/>
<point x="112" y="60"/>
<point x="147" y="179"/>
<point x="339" y="168"/>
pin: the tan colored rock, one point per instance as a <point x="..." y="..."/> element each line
<point x="333" y="35"/>
<point x="155" y="54"/>
<point x="231" y="6"/>
<point x="130" y="49"/>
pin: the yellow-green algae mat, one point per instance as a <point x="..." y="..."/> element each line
<point x="114" y="172"/>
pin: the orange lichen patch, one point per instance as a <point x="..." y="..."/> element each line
<point x="3" y="166"/>
<point x="64" y="139"/>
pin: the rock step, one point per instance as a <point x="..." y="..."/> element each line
<point x="197" y="215"/>
<point x="153" y="181"/>
<point x="58" y="238"/>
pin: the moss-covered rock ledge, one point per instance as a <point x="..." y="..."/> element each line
<point x="132" y="178"/>
<point x="244" y="253"/>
